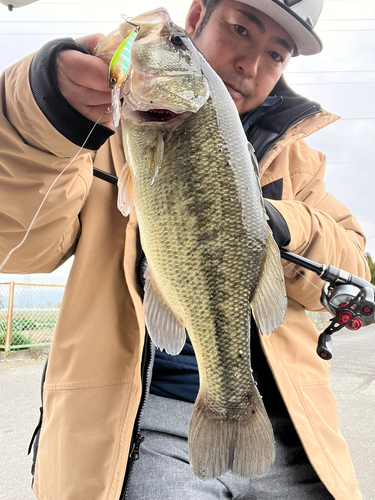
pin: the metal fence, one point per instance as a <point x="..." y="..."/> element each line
<point x="28" y="314"/>
<point x="320" y="319"/>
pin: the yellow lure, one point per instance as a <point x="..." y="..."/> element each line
<point x="119" y="66"/>
<point x="119" y="69"/>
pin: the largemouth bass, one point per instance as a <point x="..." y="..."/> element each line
<point x="193" y="181"/>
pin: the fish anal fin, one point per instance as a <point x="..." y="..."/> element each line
<point x="165" y="330"/>
<point x="270" y="301"/>
<point x="243" y="445"/>
<point x="125" y="199"/>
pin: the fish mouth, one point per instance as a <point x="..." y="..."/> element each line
<point x="157" y="115"/>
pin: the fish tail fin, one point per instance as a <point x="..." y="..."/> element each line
<point x="243" y="445"/>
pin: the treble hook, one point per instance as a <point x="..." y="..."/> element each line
<point x="126" y="19"/>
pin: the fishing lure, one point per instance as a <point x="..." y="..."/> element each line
<point x="119" y="70"/>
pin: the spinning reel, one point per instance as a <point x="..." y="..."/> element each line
<point x="350" y="299"/>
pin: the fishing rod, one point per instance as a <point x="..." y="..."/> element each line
<point x="349" y="298"/>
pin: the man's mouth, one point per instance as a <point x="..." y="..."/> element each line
<point x="235" y="93"/>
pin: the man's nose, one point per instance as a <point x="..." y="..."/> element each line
<point x="248" y="64"/>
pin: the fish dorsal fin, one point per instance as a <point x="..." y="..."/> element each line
<point x="270" y="301"/>
<point x="125" y="200"/>
<point x="156" y="156"/>
<point x="165" y="330"/>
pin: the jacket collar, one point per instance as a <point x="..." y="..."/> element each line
<point x="274" y="124"/>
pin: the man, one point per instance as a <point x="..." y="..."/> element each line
<point x="92" y="388"/>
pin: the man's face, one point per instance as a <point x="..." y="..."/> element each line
<point x="247" y="49"/>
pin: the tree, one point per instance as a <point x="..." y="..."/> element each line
<point x="371" y="264"/>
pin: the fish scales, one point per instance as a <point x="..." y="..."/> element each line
<point x="206" y="275"/>
<point x="212" y="259"/>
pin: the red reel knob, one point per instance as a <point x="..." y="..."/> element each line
<point x="367" y="310"/>
<point x="344" y="317"/>
<point x="343" y="304"/>
<point x="355" y="324"/>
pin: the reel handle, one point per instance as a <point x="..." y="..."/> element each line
<point x="324" y="349"/>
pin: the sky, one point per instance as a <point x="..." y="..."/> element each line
<point x="341" y="78"/>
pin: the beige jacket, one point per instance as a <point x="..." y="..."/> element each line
<point x="93" y="384"/>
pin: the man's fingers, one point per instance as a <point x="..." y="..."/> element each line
<point x="89" y="42"/>
<point x="88" y="102"/>
<point x="83" y="81"/>
<point x="84" y="97"/>
<point x="106" y="120"/>
<point x="83" y="69"/>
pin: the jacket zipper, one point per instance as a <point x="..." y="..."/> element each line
<point x="308" y="112"/>
<point x="137" y="438"/>
<point x="146" y="368"/>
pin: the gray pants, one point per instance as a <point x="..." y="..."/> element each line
<point x="163" y="471"/>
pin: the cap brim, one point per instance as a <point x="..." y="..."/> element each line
<point x="303" y="35"/>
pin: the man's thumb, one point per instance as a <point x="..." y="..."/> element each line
<point x="89" y="42"/>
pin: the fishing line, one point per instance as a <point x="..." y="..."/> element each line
<point x="307" y="279"/>
<point x="126" y="19"/>
<point x="47" y="193"/>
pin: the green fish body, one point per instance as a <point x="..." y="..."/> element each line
<point x="212" y="260"/>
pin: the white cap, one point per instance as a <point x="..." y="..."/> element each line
<point x="297" y="17"/>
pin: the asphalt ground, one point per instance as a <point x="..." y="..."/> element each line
<point x="352" y="376"/>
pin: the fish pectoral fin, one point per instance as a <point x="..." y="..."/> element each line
<point x="125" y="199"/>
<point x="165" y="330"/>
<point x="156" y="156"/>
<point x="243" y="445"/>
<point x="269" y="302"/>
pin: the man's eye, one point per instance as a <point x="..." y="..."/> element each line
<point x="240" y="29"/>
<point x="276" y="57"/>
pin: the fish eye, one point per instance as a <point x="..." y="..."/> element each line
<point x="113" y="80"/>
<point x="177" y="41"/>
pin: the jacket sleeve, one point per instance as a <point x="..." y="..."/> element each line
<point x="321" y="228"/>
<point x="32" y="155"/>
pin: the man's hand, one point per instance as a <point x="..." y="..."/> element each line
<point x="83" y="81"/>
